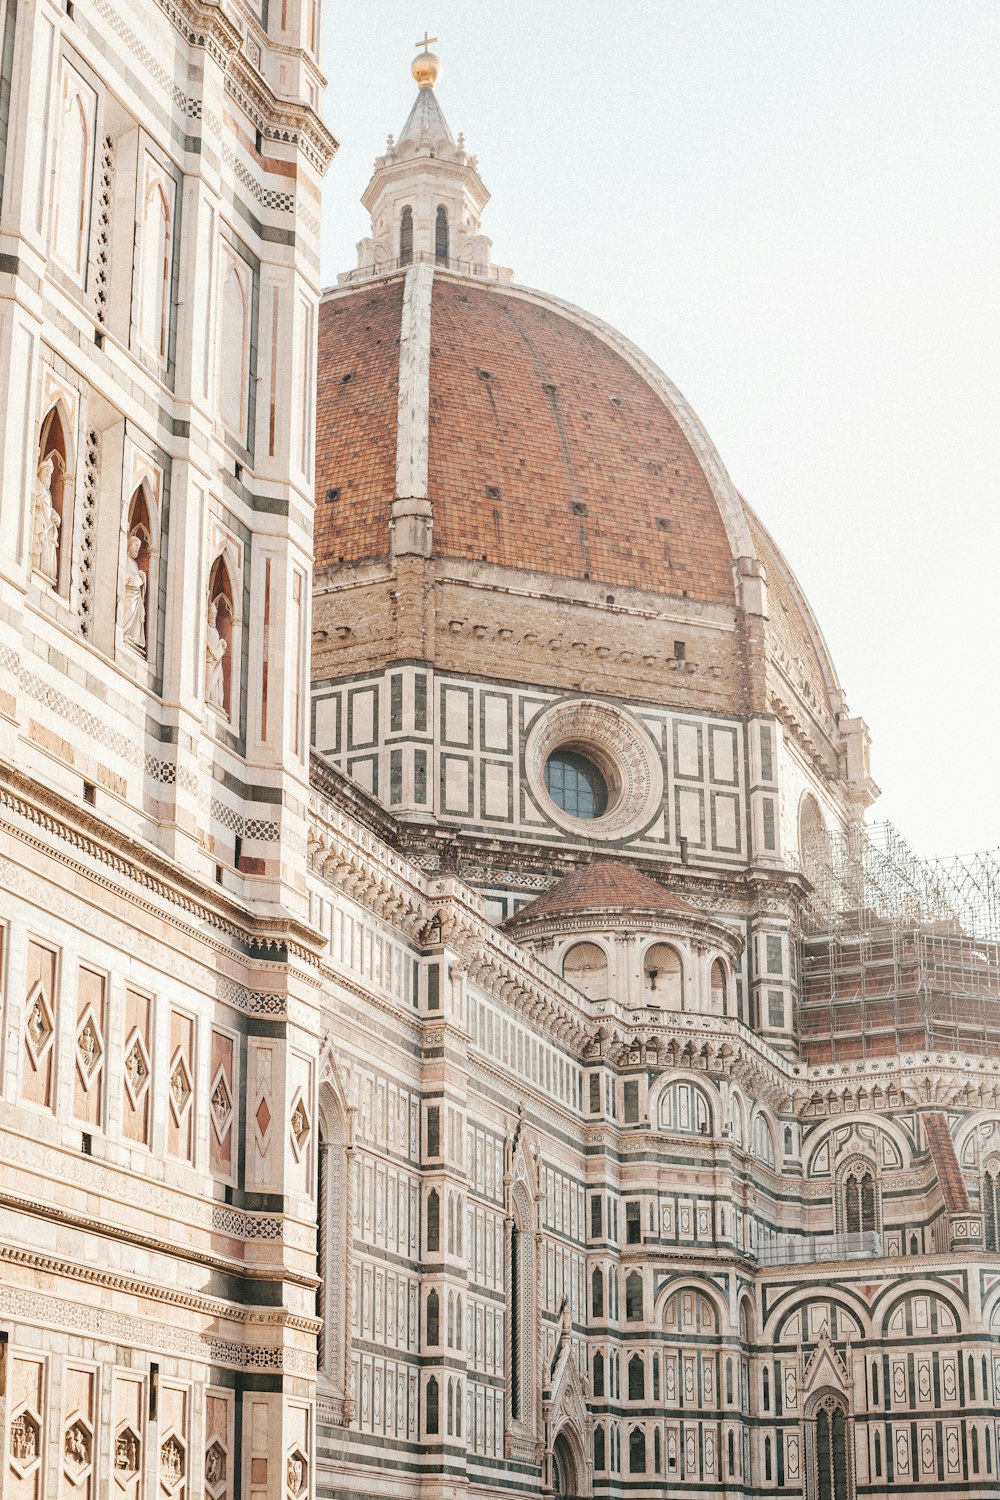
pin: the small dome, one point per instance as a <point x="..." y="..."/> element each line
<point x="604" y="885"/>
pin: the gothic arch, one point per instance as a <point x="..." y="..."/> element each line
<point x="570" y="1466"/>
<point x="830" y="1461"/>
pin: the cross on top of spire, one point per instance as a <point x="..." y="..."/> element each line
<point x="426" y="43"/>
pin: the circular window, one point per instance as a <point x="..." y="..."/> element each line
<point x="575" y="784"/>
<point x="593" y="770"/>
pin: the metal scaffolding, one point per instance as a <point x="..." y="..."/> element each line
<point x="898" y="953"/>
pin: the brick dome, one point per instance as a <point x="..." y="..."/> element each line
<point x="548" y="450"/>
<point x="535" y="439"/>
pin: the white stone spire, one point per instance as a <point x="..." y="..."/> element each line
<point x="426" y="195"/>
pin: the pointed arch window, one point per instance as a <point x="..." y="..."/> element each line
<point x="637" y="1451"/>
<point x="73" y="182"/>
<point x="633" y="1297"/>
<point x="433" y="1222"/>
<point x="636" y="1378"/>
<point x="860" y="1207"/>
<point x="990" y="1202"/>
<point x="830" y="1459"/>
<point x="598" y="1374"/>
<point x="432" y="1407"/>
<point x="234" y="344"/>
<point x="157" y="240"/>
<point x="219" y="640"/>
<point x="406" y="236"/>
<point x="600" y="1449"/>
<point x="49" y="503"/>
<point x="597" y="1293"/>
<point x="441" y="234"/>
<point x="432" y="1322"/>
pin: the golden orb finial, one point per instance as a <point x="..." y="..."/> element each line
<point x="426" y="66"/>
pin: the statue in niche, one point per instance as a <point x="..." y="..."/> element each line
<point x="46" y="522"/>
<point x="134" y="596"/>
<point x="215" y="650"/>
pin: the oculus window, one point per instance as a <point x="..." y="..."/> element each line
<point x="576" y="784"/>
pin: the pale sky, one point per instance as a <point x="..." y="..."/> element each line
<point x="792" y="206"/>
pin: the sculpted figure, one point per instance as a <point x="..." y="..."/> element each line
<point x="46" y="520"/>
<point x="215" y="650"/>
<point x="134" y="596"/>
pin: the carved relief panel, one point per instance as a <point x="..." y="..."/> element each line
<point x="137" y="1070"/>
<point x="77" y="1454"/>
<point x="24" y="1477"/>
<point x="90" y="1047"/>
<point x="40" y="1017"/>
<point x="222" y="1095"/>
<point x="180" y="1087"/>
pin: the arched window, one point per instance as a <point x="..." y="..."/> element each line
<point x="719" y="988"/>
<point x="598" y="1374"/>
<point x="154" y="306"/>
<point x="433" y="1320"/>
<point x="450" y="1420"/>
<point x="49" y="508"/>
<point x="458" y="1321"/>
<point x="600" y="1451"/>
<point x="406" y="237"/>
<point x="990" y="1203"/>
<point x="234" y="353"/>
<point x="431" y="1407"/>
<point x="859" y="1196"/>
<point x="663" y="977"/>
<point x="684" y="1108"/>
<point x="585" y="965"/>
<point x="636" y="1378"/>
<point x="830" y="1452"/>
<point x="458" y="1408"/>
<point x="433" y="1222"/>
<point x="763" y="1142"/>
<point x="731" y="1453"/>
<point x="633" y="1297"/>
<point x="597" y="1293"/>
<point x="219" y="639"/>
<point x="451" y="1320"/>
<point x="135" y="589"/>
<point x="637" y="1451"/>
<point x="73" y="179"/>
<point x="767" y="1459"/>
<point x="441" y="234"/>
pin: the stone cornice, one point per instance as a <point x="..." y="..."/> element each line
<point x="219" y="1309"/>
<point x="208" y="26"/>
<point x="73" y="831"/>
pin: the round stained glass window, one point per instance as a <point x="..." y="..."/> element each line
<point x="576" y="785"/>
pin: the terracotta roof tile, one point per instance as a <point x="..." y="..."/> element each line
<point x="356" y="415"/>
<point x="602" y="885"/>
